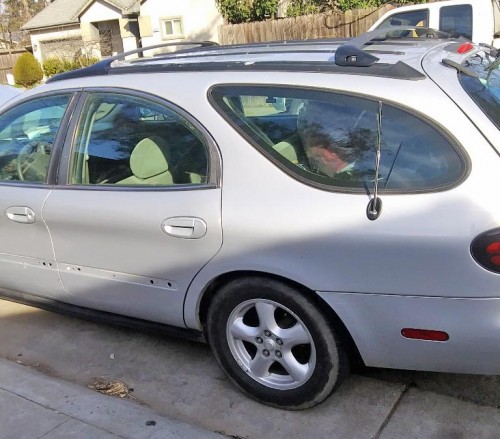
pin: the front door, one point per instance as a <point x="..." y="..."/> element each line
<point x="28" y="136"/>
<point x="140" y="214"/>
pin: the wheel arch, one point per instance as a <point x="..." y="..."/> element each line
<point x="215" y="284"/>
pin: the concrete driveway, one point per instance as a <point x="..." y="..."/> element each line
<point x="180" y="379"/>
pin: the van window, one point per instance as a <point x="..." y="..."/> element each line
<point x="409" y="18"/>
<point x="456" y="20"/>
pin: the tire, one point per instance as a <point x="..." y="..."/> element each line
<point x="274" y="343"/>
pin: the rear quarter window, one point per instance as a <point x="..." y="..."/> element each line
<point x="330" y="139"/>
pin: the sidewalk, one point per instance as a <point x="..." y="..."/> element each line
<point x="34" y="406"/>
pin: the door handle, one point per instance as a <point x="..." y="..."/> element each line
<point x="20" y="214"/>
<point x="184" y="227"/>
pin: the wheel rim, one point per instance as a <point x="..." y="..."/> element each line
<point x="271" y="344"/>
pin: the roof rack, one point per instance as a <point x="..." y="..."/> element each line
<point x="351" y="53"/>
<point x="103" y="67"/>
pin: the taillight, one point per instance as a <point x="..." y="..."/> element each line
<point x="485" y="250"/>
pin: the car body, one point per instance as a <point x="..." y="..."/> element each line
<point x="178" y="190"/>
<point x="7" y="92"/>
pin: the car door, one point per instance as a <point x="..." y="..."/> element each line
<point x="139" y="210"/>
<point x="30" y="133"/>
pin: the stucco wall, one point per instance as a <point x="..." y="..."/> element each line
<point x="200" y="19"/>
<point x="69" y="34"/>
<point x="100" y="11"/>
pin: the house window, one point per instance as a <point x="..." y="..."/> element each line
<point x="172" y="28"/>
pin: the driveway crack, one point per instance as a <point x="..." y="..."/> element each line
<point x="396" y="405"/>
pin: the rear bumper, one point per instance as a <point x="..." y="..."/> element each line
<point x="375" y="323"/>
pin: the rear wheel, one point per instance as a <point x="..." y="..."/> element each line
<point x="274" y="343"/>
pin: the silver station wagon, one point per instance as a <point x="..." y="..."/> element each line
<point x="296" y="205"/>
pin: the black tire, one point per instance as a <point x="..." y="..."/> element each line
<point x="236" y="305"/>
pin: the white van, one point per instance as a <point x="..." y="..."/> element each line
<point x="478" y="20"/>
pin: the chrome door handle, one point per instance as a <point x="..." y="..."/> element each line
<point x="20" y="214"/>
<point x="184" y="227"/>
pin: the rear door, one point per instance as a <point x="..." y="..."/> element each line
<point x="139" y="213"/>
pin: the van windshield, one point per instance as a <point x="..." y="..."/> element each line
<point x="485" y="89"/>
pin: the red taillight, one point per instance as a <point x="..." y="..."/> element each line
<point x="493" y="248"/>
<point x="486" y="250"/>
<point x="465" y="47"/>
<point x="424" y="334"/>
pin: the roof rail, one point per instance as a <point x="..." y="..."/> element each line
<point x="347" y="56"/>
<point x="103" y="67"/>
<point x="352" y="53"/>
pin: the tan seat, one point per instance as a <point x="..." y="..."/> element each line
<point x="148" y="163"/>
<point x="291" y="149"/>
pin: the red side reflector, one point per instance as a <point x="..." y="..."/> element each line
<point x="465" y="47"/>
<point x="424" y="334"/>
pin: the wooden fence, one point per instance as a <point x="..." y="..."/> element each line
<point x="331" y="25"/>
<point x="7" y="60"/>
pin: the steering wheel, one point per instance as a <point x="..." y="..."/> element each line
<point x="33" y="161"/>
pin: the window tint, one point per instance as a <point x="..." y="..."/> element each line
<point x="331" y="138"/>
<point x="127" y="140"/>
<point x="27" y="134"/>
<point x="456" y="20"/>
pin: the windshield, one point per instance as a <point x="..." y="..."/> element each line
<point x="485" y="89"/>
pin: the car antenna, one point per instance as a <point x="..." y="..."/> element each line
<point x="374" y="208"/>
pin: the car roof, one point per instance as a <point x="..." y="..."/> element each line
<point x="375" y="53"/>
<point x="7" y="93"/>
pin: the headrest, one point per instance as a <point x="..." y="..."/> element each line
<point x="148" y="157"/>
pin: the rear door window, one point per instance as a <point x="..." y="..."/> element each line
<point x="129" y="140"/>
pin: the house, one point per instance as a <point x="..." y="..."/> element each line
<point x="68" y="28"/>
<point x="174" y="20"/>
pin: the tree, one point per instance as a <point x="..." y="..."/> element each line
<point x="303" y="7"/>
<point x="27" y="71"/>
<point x="14" y="14"/>
<point x="241" y="11"/>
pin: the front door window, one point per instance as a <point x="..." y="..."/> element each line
<point x="27" y="134"/>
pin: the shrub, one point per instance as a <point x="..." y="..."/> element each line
<point x="241" y="11"/>
<point x="54" y="66"/>
<point x="27" y="70"/>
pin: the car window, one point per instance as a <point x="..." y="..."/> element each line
<point x="409" y="18"/>
<point x="27" y="134"/>
<point x="129" y="140"/>
<point x="331" y="138"/>
<point x="456" y="20"/>
<point x="485" y="88"/>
